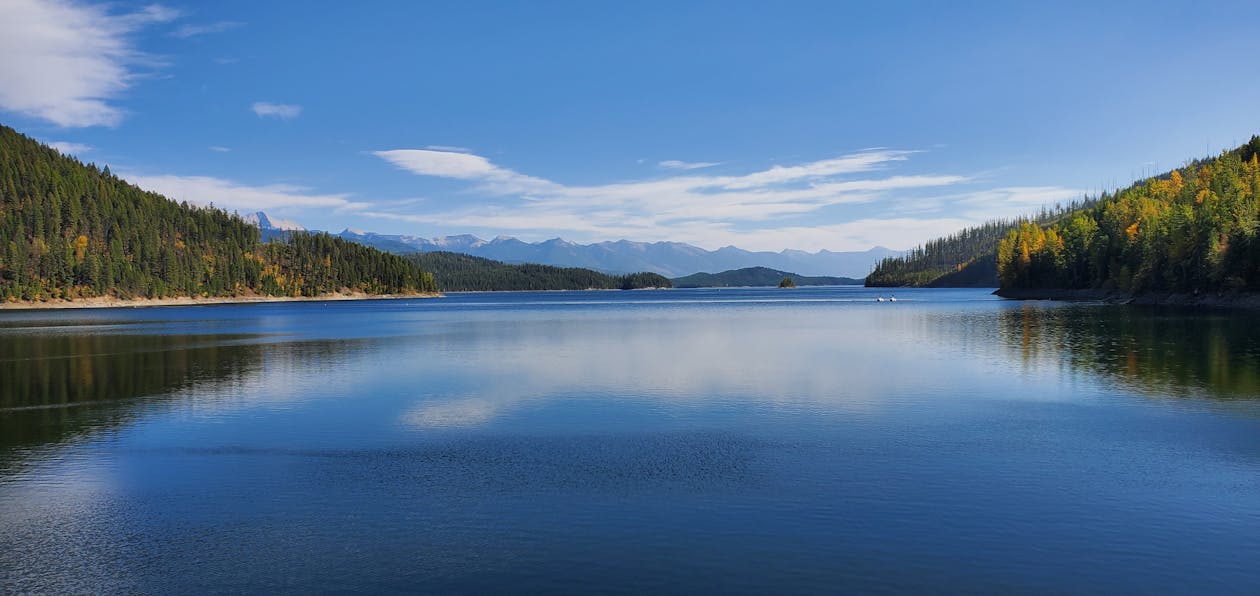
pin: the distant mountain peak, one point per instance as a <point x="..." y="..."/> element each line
<point x="266" y="222"/>
<point x="628" y="256"/>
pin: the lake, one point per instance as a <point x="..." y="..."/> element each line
<point x="733" y="440"/>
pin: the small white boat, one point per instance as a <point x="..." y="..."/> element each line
<point x="880" y="299"/>
<point x="892" y="299"/>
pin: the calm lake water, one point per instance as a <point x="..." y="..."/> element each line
<point x="736" y="440"/>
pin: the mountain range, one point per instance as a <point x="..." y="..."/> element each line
<point x="671" y="259"/>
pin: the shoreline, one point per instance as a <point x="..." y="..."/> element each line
<point x="1210" y="299"/>
<point x="111" y="302"/>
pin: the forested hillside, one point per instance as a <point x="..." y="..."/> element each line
<point x="936" y="258"/>
<point x="757" y="277"/>
<point x="963" y="259"/>
<point x="1192" y="229"/>
<point x="69" y="230"/>
<point x="456" y="272"/>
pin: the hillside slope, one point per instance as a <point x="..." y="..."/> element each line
<point x="1194" y="229"/>
<point x="69" y="230"/>
<point x="455" y="272"/>
<point x="757" y="277"/>
<point x="965" y="259"/>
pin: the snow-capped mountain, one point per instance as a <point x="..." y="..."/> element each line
<point x="266" y="222"/>
<point x="671" y="259"/>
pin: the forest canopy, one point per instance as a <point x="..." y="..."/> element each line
<point x="70" y="230"/>
<point x="456" y="272"/>
<point x="962" y="259"/>
<point x="1191" y="229"/>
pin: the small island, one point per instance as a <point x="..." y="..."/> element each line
<point x="456" y="272"/>
<point x="752" y="277"/>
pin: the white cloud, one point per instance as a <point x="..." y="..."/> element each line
<point x="464" y="166"/>
<point x="674" y="164"/>
<point x="283" y="111"/>
<point x="707" y="210"/>
<point x="69" y="148"/>
<point x="1028" y="195"/>
<point x="446" y="164"/>
<point x="191" y="30"/>
<point x="229" y="195"/>
<point x="760" y="210"/>
<point x="153" y="13"/>
<point x="1015" y="201"/>
<point x="767" y="186"/>
<point x="864" y="161"/>
<point x="894" y="232"/>
<point x="219" y="149"/>
<point x="64" y="61"/>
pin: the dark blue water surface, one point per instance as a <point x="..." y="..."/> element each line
<point x="735" y="440"/>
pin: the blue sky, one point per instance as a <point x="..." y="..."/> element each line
<point x="804" y="125"/>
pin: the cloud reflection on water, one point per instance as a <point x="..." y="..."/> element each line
<point x="850" y="358"/>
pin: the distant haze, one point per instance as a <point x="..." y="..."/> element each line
<point x="671" y="259"/>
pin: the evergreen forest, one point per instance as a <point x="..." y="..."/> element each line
<point x="456" y="272"/>
<point x="966" y="258"/>
<point x="1189" y="230"/>
<point x="757" y="277"/>
<point x="70" y="230"/>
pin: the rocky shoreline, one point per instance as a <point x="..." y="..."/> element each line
<point x="111" y="302"/>
<point x="1214" y="299"/>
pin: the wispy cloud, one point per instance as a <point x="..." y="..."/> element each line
<point x="753" y="210"/>
<point x="674" y="164"/>
<point x="1026" y="196"/>
<point x="226" y="194"/>
<point x="153" y="13"/>
<point x="194" y="30"/>
<point x="859" y="234"/>
<point x="219" y="149"/>
<point x="66" y="61"/>
<point x="464" y="166"/>
<point x="69" y="148"/>
<point x="1013" y="201"/>
<point x="283" y="111"/>
<point x="449" y="148"/>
